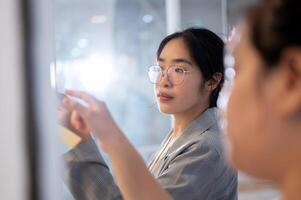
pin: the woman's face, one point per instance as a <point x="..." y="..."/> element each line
<point x="255" y="145"/>
<point x="190" y="94"/>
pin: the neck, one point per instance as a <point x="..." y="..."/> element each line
<point x="182" y="120"/>
<point x="291" y="185"/>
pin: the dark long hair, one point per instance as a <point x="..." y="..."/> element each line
<point x="275" y="26"/>
<point x="206" y="48"/>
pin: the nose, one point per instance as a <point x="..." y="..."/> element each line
<point x="164" y="81"/>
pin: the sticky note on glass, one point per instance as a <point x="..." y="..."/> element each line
<point x="68" y="137"/>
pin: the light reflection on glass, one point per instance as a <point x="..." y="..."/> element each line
<point x="93" y="74"/>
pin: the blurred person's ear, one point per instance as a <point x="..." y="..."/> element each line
<point x="287" y="83"/>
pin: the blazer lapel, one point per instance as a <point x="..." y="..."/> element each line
<point x="189" y="136"/>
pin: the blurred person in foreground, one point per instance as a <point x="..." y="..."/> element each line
<point x="264" y="110"/>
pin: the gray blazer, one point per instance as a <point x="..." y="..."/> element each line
<point x="193" y="168"/>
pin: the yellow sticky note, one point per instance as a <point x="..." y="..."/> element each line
<point x="68" y="137"/>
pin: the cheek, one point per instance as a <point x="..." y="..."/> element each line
<point x="246" y="122"/>
<point x="240" y="106"/>
<point x="186" y="91"/>
<point x="238" y="109"/>
<point x="189" y="93"/>
<point x="235" y="123"/>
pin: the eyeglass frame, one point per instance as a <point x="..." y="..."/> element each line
<point x="163" y="74"/>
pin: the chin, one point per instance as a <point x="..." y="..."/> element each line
<point x="166" y="111"/>
<point x="246" y="164"/>
<point x="170" y="108"/>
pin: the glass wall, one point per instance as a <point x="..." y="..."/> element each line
<point x="105" y="47"/>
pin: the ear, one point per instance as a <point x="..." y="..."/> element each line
<point x="214" y="81"/>
<point x="290" y="67"/>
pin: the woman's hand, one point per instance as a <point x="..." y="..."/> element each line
<point x="132" y="175"/>
<point x="95" y="114"/>
<point x="72" y="121"/>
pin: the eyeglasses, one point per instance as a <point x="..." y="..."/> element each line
<point x="174" y="74"/>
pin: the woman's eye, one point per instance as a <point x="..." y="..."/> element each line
<point x="179" y="70"/>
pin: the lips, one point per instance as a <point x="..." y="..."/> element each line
<point x="164" y="96"/>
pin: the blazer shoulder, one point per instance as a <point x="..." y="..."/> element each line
<point x="211" y="139"/>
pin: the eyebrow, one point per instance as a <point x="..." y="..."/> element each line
<point x="177" y="60"/>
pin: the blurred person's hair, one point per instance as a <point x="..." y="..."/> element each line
<point x="206" y="49"/>
<point x="275" y="26"/>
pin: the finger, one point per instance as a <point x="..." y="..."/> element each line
<point x="72" y="105"/>
<point x="75" y="120"/>
<point x="78" y="122"/>
<point x="82" y="95"/>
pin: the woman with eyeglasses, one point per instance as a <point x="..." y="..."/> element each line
<point x="190" y="163"/>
